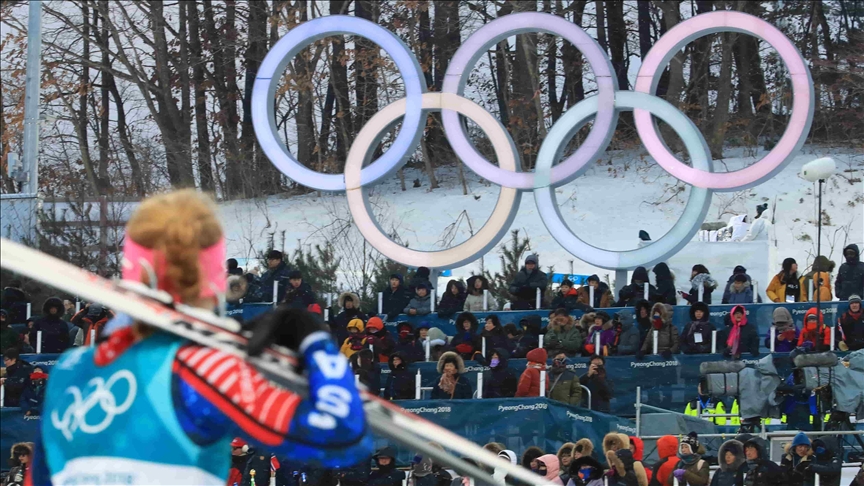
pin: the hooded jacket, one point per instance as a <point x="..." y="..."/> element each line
<point x="642" y="323"/>
<point x="850" y="277"/>
<point x="380" y="339"/>
<point x="766" y="472"/>
<point x="530" y="339"/>
<point x="606" y="331"/>
<point x="696" y="474"/>
<point x="565" y="453"/>
<point x="628" y="471"/>
<point x="826" y="463"/>
<point x="497" y="337"/>
<point x="462" y="389"/>
<point x="725" y="476"/>
<point x="386" y="475"/>
<point x="529" y="382"/>
<point x="633" y="293"/>
<point x="55" y="331"/>
<point x="705" y="281"/>
<point x="354" y="343"/>
<point x="786" y="334"/>
<point x="562" y="335"/>
<point x="564" y="385"/>
<point x="815" y="333"/>
<point x="91" y="320"/>
<point x="394" y="301"/>
<point x="667" y="451"/>
<point x="727" y="291"/>
<point x="400" y="381"/>
<point x="667" y="336"/>
<point x="421" y="305"/>
<point x="776" y="290"/>
<point x="665" y="283"/>
<point x="499" y="474"/>
<point x="339" y="322"/>
<point x="451" y="304"/>
<point x="406" y="343"/>
<point x="594" y="478"/>
<point x="366" y="367"/>
<point x="569" y="301"/>
<point x="474" y="299"/>
<point x="852" y="329"/>
<point x="823" y="278"/>
<point x="524" y="286"/>
<point x="553" y="468"/>
<point x="502" y="381"/>
<point x="639" y="454"/>
<point x="697" y="334"/>
<point x="628" y="333"/>
<point x="602" y="295"/>
<point x="748" y="336"/>
<point x="466" y="342"/>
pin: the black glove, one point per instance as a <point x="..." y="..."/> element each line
<point x="283" y="326"/>
<point x="640" y="355"/>
<point x="803" y="467"/>
<point x="667" y="355"/>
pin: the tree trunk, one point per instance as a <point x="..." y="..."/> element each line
<point x="644" y="21"/>
<point x="339" y="81"/>
<point x="445" y="42"/>
<point x="524" y="118"/>
<point x="502" y="69"/>
<point x="551" y="54"/>
<point x="571" y="59"/>
<point x="205" y="156"/>
<point x="104" y="113"/>
<point x="674" y="80"/>
<point x="601" y="23"/>
<point x="305" y="108"/>
<point x="83" y="93"/>
<point x="618" y="41"/>
<point x="720" y="119"/>
<point x="139" y="185"/>
<point x="366" y="62"/>
<point x="700" y="55"/>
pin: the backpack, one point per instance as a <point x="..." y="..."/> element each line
<point x="655" y="470"/>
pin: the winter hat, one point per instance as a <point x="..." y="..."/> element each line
<point x="375" y="323"/>
<point x="640" y="275"/>
<point x="787" y="264"/>
<point x="509" y="455"/>
<point x="740" y="277"/>
<point x="854" y="298"/>
<point x="423" y="325"/>
<point x="355" y="323"/>
<point x="692" y="439"/>
<point x="94" y="310"/>
<point x="532" y="259"/>
<point x="782" y="319"/>
<point x="38" y="375"/>
<point x="739" y="269"/>
<point x="567" y="283"/>
<point x="800" y="439"/>
<point x="274" y="255"/>
<point x="238" y="442"/>
<point x="537" y="355"/>
<point x="593" y="278"/>
<point x="294" y="274"/>
<point x="422" y="272"/>
<point x="761" y="209"/>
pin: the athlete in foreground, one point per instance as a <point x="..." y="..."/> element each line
<point x="145" y="407"/>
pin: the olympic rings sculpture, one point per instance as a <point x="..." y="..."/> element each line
<point x="603" y="107"/>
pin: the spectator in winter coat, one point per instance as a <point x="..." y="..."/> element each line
<point x="700" y="278"/>
<point x="740" y="291"/>
<point x="386" y="474"/>
<point x="549" y="467"/>
<point x="821" y="274"/>
<point x="826" y="462"/>
<point x="9" y="337"/>
<point x="474" y="300"/>
<point x="34" y="394"/>
<point x="785" y="332"/>
<point x="628" y="335"/>
<point x="786" y="285"/>
<point x="850" y="277"/>
<point x="586" y="471"/>
<point x="626" y="470"/>
<point x="407" y="344"/>
<point x="691" y="469"/>
<point x="20" y="459"/>
<point x="356" y="339"/>
<point x="568" y="298"/>
<point x="583" y="448"/>
<point x="55" y="331"/>
<point x="814" y="334"/>
<point x="667" y="452"/>
<point x="739" y="337"/>
<point x="453" y="300"/>
<point x="565" y="457"/>
<point x="697" y="334"/>
<point x="437" y="343"/>
<point x="452" y="385"/>
<point x="530" y="339"/>
<point x="17" y="377"/>
<point x="597" y="382"/>
<point x="466" y="342"/>
<point x="529" y="382"/>
<point x="14" y="301"/>
<point x="604" y="328"/>
<point x="420" y="278"/>
<point x="667" y="334"/>
<point x="524" y="286"/>
<point x="530" y="456"/>
<point x="758" y="469"/>
<point x="494" y="334"/>
<point x="381" y="341"/>
<point x="365" y="366"/>
<point x="796" y="459"/>
<point x="298" y="294"/>
<point x="730" y="456"/>
<point x="602" y="295"/>
<point x="665" y="284"/>
<point x="395" y="297"/>
<point x="642" y="314"/>
<point x="350" y="304"/>
<point x="738" y="270"/>
<point x="637" y="448"/>
<point x="502" y="381"/>
<point x="633" y="293"/>
<point x="277" y="271"/>
<point x="91" y="319"/>
<point x="851" y="326"/>
<point x="400" y="382"/>
<point x="563" y="383"/>
<point x="562" y="335"/>
<point x="421" y="303"/>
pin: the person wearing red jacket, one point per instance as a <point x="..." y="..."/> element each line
<point x="814" y="331"/>
<point x="667" y="450"/>
<point x="637" y="447"/>
<point x="529" y="382"/>
<point x="239" y="450"/>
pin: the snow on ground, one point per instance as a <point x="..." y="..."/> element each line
<point x="622" y="193"/>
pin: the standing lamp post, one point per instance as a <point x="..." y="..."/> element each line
<point x="818" y="171"/>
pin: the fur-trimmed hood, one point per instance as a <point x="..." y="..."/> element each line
<point x="737" y="449"/>
<point x="584" y="447"/>
<point x="665" y="311"/>
<point x="565" y="450"/>
<point x="615" y="439"/>
<point x="56" y="303"/>
<point x="623" y="461"/>
<point x="560" y="323"/>
<point x="587" y="320"/>
<point x="706" y="312"/>
<point x="451" y="357"/>
<point x="577" y="464"/>
<point x="354" y="298"/>
<point x="466" y="316"/>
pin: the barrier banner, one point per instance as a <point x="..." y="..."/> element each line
<point x="515" y="422"/>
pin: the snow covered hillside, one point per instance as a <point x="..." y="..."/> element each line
<point x="622" y="193"/>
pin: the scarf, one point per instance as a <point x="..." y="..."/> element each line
<point x="689" y="459"/>
<point x="734" y="339"/>
<point x="447" y="383"/>
<point x="657" y="323"/>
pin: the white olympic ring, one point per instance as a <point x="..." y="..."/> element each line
<point x="75" y="416"/>
<point x="603" y="107"/>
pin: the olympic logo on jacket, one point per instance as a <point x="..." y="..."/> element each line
<point x="75" y="416"/>
<point x="602" y="107"/>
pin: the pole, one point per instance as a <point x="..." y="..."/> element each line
<point x="92" y="337"/>
<point x="29" y="310"/>
<point x="2" y="395"/>
<point x="645" y="293"/>
<point x="773" y="337"/>
<point x="597" y="350"/>
<point x="818" y="253"/>
<point x="543" y="383"/>
<point x="656" y="344"/>
<point x="31" y="97"/>
<point x="485" y="300"/>
<point x="380" y="303"/>
<point x="479" y="384"/>
<point x="417" y="386"/>
<point x="755" y="291"/>
<point x="590" y="295"/>
<point x="77" y="306"/>
<point x="714" y="342"/>
<point x="538" y="299"/>
<point x="428" y="349"/>
<point x="38" y="342"/>
<point x="701" y="293"/>
<point x="540" y="343"/>
<point x="484" y="346"/>
<point x="432" y="301"/>
<point x="571" y="267"/>
<point x="638" y="411"/>
<point x="275" y="292"/>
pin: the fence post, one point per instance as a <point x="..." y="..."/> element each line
<point x="817" y="480"/>
<point x="590" y="295"/>
<point x="638" y="411"/>
<point x="714" y="341"/>
<point x="597" y="344"/>
<point x="92" y="337"/>
<point x="432" y="301"/>
<point x="755" y="291"/>
<point x="77" y="306"/>
<point x="380" y="303"/>
<point x="275" y="291"/>
<point x="540" y="344"/>
<point x="543" y="383"/>
<point x="38" y="342"/>
<point x="812" y="290"/>
<point x="772" y="336"/>
<point x="2" y="396"/>
<point x="479" y="384"/>
<point x="326" y="313"/>
<point x="656" y="335"/>
<point x="329" y="299"/>
<point x="646" y="295"/>
<point x="485" y="300"/>
<point x="484" y="347"/>
<point x="29" y="310"/>
<point x="701" y="293"/>
<point x="428" y="349"/>
<point x="831" y="345"/>
<point x="372" y="348"/>
<point x="417" y="392"/>
<point x="538" y="299"/>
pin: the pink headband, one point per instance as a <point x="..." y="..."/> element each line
<point x="211" y="262"/>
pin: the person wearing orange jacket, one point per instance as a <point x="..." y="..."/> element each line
<point x="637" y="447"/>
<point x="814" y="331"/>
<point x="667" y="450"/>
<point x="529" y="382"/>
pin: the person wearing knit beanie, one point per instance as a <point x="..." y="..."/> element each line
<point x="851" y="335"/>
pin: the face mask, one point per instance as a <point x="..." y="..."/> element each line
<point x="585" y="473"/>
<point x="559" y="364"/>
<point x="494" y="362"/>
